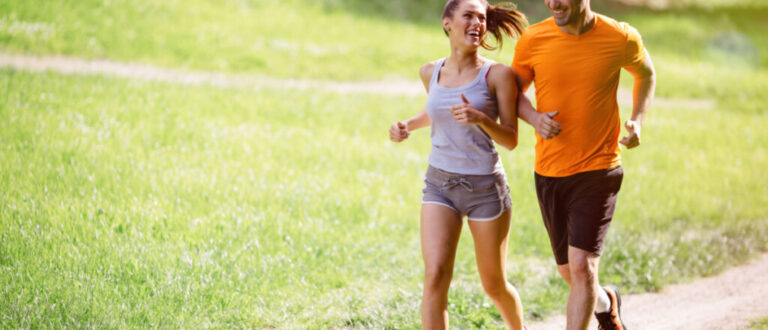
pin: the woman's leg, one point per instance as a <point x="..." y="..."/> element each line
<point x="440" y="231"/>
<point x="491" y="251"/>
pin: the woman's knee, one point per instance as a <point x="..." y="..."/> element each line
<point x="495" y="286"/>
<point x="437" y="277"/>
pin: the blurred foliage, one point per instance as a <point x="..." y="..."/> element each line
<point x="428" y="10"/>
<point x="423" y="11"/>
<point x="705" y="53"/>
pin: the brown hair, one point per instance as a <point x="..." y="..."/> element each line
<point x="502" y="18"/>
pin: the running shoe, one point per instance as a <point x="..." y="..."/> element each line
<point x="611" y="320"/>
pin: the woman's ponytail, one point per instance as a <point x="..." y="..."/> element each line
<point x="503" y="18"/>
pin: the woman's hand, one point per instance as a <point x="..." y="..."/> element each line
<point x="465" y="113"/>
<point x="398" y="132"/>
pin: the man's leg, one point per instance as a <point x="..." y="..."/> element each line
<point x="591" y="203"/>
<point x="577" y="211"/>
<point x="582" y="266"/>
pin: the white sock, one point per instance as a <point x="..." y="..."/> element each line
<point x="603" y="301"/>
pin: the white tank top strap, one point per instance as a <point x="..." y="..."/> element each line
<point x="436" y="72"/>
<point x="484" y="70"/>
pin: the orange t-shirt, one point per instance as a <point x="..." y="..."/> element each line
<point x="578" y="75"/>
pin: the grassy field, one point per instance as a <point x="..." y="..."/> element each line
<point x="760" y="324"/>
<point x="141" y="204"/>
<point x="138" y="204"/>
<point x="277" y="38"/>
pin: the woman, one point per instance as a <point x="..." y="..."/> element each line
<point x="466" y="95"/>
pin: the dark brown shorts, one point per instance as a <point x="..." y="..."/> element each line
<point x="578" y="209"/>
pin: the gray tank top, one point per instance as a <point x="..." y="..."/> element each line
<point x="462" y="148"/>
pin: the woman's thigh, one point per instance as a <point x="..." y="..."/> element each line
<point x="490" y="239"/>
<point x="440" y="232"/>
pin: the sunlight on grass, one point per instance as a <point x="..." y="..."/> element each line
<point x="273" y="38"/>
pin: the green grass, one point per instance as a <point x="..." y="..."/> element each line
<point x="277" y="38"/>
<point x="759" y="324"/>
<point x="128" y="203"/>
<point x="158" y="205"/>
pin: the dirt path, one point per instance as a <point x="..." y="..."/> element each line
<point x="727" y="301"/>
<point x="73" y="65"/>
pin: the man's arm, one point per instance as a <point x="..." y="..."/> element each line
<point x="543" y="123"/>
<point x="642" y="95"/>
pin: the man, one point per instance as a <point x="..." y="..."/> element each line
<point x="574" y="58"/>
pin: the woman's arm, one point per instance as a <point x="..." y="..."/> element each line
<point x="401" y="130"/>
<point x="504" y="86"/>
<point x="502" y="83"/>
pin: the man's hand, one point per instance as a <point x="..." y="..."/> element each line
<point x="545" y="126"/>
<point x="633" y="140"/>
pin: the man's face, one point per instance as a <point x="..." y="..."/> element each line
<point x="566" y="12"/>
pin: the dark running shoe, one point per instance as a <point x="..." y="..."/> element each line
<point x="611" y="320"/>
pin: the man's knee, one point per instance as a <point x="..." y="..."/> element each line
<point x="583" y="266"/>
<point x="581" y="270"/>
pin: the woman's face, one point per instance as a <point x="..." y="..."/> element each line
<point x="467" y="25"/>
